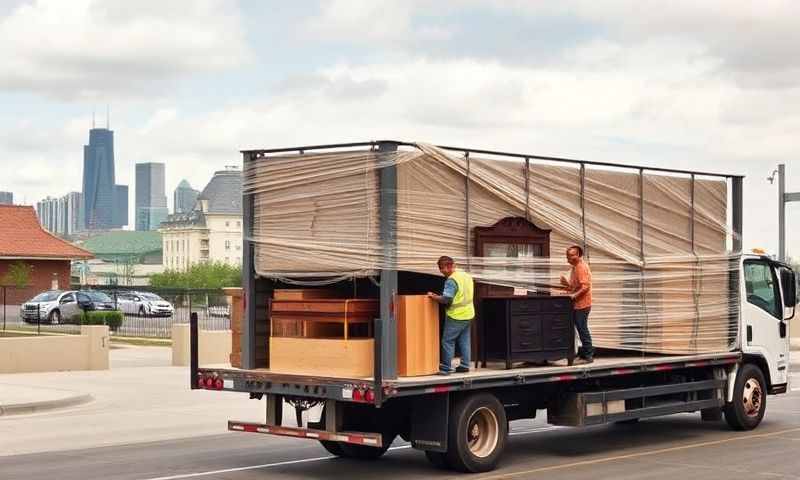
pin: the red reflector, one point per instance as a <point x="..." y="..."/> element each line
<point x="369" y="396"/>
<point x="209" y="382"/>
<point x="201" y="382"/>
<point x="358" y="396"/>
<point x="218" y="383"/>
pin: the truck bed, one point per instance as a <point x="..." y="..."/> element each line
<point x="266" y="381"/>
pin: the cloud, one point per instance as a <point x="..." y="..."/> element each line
<point x="84" y="49"/>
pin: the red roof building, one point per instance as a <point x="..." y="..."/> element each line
<point x="22" y="239"/>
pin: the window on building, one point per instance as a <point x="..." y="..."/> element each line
<point x="227" y="223"/>
<point x="227" y="244"/>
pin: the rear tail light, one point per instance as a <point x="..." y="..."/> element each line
<point x="358" y="395"/>
<point x="209" y="382"/>
<point x="369" y="396"/>
<point x="218" y="383"/>
<point x="201" y="382"/>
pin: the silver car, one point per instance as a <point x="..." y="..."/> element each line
<point x="52" y="306"/>
<point x="144" y="304"/>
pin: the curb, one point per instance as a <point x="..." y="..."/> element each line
<point x="36" y="407"/>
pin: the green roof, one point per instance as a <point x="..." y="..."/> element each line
<point x="124" y="243"/>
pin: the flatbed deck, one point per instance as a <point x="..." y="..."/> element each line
<point x="267" y="381"/>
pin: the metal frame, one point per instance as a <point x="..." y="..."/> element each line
<point x="262" y="153"/>
<point x="332" y="388"/>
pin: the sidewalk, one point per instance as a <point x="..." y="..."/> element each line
<point x="19" y="400"/>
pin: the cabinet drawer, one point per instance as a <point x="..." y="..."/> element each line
<point x="525" y="306"/>
<point x="526" y="343"/>
<point x="557" y="305"/>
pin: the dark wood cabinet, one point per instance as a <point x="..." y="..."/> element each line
<point x="528" y="329"/>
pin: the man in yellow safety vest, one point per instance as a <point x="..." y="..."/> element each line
<point x="457" y="297"/>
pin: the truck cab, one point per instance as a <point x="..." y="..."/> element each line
<point x="768" y="303"/>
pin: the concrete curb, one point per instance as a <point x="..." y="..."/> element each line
<point x="36" y="407"/>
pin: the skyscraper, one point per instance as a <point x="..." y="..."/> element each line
<point x="185" y="197"/>
<point x="104" y="205"/>
<point x="151" y="201"/>
<point x="6" y="198"/>
<point x="62" y="216"/>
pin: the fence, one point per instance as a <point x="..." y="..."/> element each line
<point x="144" y="315"/>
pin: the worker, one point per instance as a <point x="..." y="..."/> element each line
<point x="457" y="297"/>
<point x="579" y="286"/>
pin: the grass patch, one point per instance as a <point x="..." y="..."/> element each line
<point x="142" y="342"/>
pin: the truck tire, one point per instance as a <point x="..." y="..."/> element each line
<point x="334" y="448"/>
<point x="437" y="459"/>
<point x="477" y="433"/>
<point x="749" y="399"/>
<point x="365" y="452"/>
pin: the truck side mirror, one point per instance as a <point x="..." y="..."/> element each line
<point x="789" y="285"/>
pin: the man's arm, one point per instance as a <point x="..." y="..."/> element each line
<point x="446" y="298"/>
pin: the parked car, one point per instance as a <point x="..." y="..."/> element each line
<point x="52" y="306"/>
<point x="144" y="304"/>
<point x="219" y="311"/>
<point x="94" y="300"/>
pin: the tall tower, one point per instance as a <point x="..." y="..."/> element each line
<point x="105" y="204"/>
<point x="151" y="201"/>
<point x="184" y="197"/>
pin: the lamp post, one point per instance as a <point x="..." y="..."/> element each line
<point x="783" y="199"/>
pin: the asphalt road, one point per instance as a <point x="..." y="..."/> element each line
<point x="679" y="446"/>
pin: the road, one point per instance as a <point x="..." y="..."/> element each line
<point x="678" y="446"/>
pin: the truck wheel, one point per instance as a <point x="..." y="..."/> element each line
<point x="437" y="459"/>
<point x="54" y="317"/>
<point x="334" y="448"/>
<point x="749" y="399"/>
<point x="364" y="452"/>
<point x="477" y="433"/>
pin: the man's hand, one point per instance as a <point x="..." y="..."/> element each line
<point x="434" y="296"/>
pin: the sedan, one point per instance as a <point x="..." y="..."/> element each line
<point x="144" y="304"/>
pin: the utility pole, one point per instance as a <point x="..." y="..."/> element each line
<point x="783" y="199"/>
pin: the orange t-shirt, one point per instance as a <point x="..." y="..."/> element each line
<point x="579" y="277"/>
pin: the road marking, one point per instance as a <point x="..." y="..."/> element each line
<point x="255" y="467"/>
<point x="315" y="459"/>
<point x="636" y="455"/>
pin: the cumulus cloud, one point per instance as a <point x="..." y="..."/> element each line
<point x="86" y="49"/>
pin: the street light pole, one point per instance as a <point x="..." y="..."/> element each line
<point x="783" y="199"/>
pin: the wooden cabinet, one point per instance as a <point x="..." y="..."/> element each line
<point x="528" y="329"/>
<point x="417" y="335"/>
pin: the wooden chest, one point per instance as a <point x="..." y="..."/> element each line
<point x="528" y="329"/>
<point x="322" y="317"/>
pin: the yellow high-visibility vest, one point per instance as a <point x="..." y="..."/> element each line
<point x="462" y="308"/>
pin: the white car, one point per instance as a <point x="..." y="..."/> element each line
<point x="144" y="304"/>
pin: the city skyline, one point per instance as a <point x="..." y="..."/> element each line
<point x="565" y="79"/>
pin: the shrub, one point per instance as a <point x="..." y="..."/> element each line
<point x="113" y="319"/>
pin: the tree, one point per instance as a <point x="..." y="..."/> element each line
<point x="206" y="275"/>
<point x="19" y="275"/>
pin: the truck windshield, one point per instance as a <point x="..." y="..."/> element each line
<point x="762" y="287"/>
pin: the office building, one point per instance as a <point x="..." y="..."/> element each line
<point x="105" y="203"/>
<point x="185" y="197"/>
<point x="62" y="216"/>
<point x="151" y="200"/>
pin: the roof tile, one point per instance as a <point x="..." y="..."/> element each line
<point x="22" y="236"/>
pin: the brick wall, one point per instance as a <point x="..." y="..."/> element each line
<point x="41" y="279"/>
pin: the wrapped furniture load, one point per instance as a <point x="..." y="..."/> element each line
<point x="657" y="244"/>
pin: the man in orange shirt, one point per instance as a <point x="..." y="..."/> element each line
<point x="579" y="287"/>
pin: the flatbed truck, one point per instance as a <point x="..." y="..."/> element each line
<point x="461" y="421"/>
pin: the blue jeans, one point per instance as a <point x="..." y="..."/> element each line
<point x="582" y="326"/>
<point x="455" y="331"/>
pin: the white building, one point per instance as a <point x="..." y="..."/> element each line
<point x="212" y="231"/>
<point x="61" y="216"/>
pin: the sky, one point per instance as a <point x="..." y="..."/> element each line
<point x="710" y="86"/>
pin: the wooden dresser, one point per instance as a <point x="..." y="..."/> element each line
<point x="528" y="329"/>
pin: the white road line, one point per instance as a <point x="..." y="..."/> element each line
<point x="315" y="459"/>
